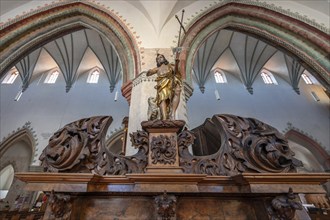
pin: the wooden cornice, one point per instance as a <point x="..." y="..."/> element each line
<point x="246" y="183"/>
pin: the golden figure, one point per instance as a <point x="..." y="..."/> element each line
<point x="168" y="87"/>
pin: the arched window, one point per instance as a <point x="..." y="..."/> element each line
<point x="306" y="78"/>
<point x="6" y="179"/>
<point x="93" y="76"/>
<point x="268" y="77"/>
<point x="52" y="76"/>
<point x="220" y="76"/>
<point x="10" y="78"/>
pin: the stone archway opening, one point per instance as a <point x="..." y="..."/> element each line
<point x="6" y="179"/>
<point x="60" y="19"/>
<point x="306" y="43"/>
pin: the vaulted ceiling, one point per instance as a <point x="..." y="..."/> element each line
<point x="73" y="54"/>
<point x="80" y="51"/>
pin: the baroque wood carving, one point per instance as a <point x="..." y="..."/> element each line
<point x="284" y="207"/>
<point x="245" y="145"/>
<point x="163" y="149"/>
<point x="166" y="206"/>
<point x="60" y="206"/>
<point x="80" y="147"/>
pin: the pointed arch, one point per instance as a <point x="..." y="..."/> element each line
<point x="320" y="154"/>
<point x="306" y="43"/>
<point x="24" y="134"/>
<point x="28" y="33"/>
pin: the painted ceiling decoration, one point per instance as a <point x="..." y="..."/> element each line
<point x="295" y="69"/>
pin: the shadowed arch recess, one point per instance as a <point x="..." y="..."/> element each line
<point x="27" y="33"/>
<point x="320" y="154"/>
<point x="24" y="135"/>
<point x="306" y="43"/>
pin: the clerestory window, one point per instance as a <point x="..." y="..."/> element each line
<point x="307" y="79"/>
<point x="268" y="78"/>
<point x="52" y="77"/>
<point x="93" y="76"/>
<point x="10" y="78"/>
<point x="220" y="76"/>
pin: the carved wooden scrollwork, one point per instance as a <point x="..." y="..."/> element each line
<point x="245" y="145"/>
<point x="209" y="165"/>
<point x="77" y="146"/>
<point x="60" y="206"/>
<point x="80" y="147"/>
<point x="284" y="207"/>
<point x="166" y="206"/>
<point x="163" y="149"/>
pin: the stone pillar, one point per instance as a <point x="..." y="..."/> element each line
<point x="142" y="89"/>
<point x="163" y="156"/>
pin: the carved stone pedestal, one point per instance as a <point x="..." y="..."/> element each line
<point x="163" y="154"/>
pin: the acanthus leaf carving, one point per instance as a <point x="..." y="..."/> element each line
<point x="80" y="147"/>
<point x="245" y="145"/>
<point x="163" y="149"/>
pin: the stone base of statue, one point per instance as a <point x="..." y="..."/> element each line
<point x="163" y="156"/>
